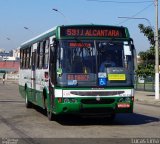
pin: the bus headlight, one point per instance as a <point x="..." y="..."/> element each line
<point x="125" y="99"/>
<point x="73" y="100"/>
<point x="69" y="100"/>
<point x="66" y="100"/>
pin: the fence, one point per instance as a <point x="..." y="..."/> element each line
<point x="145" y="84"/>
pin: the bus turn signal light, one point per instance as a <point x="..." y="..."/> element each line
<point x="60" y="100"/>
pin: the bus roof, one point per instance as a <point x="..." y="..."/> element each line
<point x="34" y="39"/>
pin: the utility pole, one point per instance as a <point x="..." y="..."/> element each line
<point x="156" y="54"/>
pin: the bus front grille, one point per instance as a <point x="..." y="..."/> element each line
<point x="96" y="93"/>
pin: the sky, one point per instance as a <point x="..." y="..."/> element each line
<point x="38" y="17"/>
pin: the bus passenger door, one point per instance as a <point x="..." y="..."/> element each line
<point x="52" y="71"/>
<point x="33" y="75"/>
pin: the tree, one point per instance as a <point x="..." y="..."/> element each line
<point x="148" y="32"/>
<point x="146" y="67"/>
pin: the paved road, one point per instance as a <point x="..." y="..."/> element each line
<point x="18" y="122"/>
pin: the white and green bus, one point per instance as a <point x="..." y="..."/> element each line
<point x="60" y="70"/>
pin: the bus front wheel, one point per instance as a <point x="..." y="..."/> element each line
<point x="50" y="115"/>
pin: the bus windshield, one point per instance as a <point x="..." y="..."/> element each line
<point x="80" y="62"/>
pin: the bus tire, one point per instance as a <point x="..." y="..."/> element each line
<point x="28" y="104"/>
<point x="50" y="115"/>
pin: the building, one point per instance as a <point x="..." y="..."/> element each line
<point x="9" y="61"/>
<point x="139" y="60"/>
<point x="2" y="50"/>
<point x="16" y="53"/>
<point x="10" y="56"/>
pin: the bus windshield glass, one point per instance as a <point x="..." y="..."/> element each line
<point x="109" y="54"/>
<point x="84" y="62"/>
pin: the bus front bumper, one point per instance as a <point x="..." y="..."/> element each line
<point x="97" y="108"/>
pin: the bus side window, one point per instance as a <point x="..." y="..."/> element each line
<point x="21" y="58"/>
<point x="46" y="52"/>
<point x="37" y="55"/>
<point x="25" y="57"/>
<point x="33" y="61"/>
<point x="28" y="55"/>
<point x="41" y="54"/>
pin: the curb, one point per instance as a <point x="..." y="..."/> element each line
<point x="146" y="98"/>
<point x="150" y="103"/>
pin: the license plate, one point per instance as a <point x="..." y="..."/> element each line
<point x="123" y="105"/>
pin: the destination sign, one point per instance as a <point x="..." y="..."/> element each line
<point x="81" y="45"/>
<point x="91" y="31"/>
<point x="79" y="77"/>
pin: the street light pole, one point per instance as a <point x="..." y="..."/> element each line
<point x="56" y="10"/>
<point x="156" y="54"/>
<point x="8" y="38"/>
<point x="28" y="29"/>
